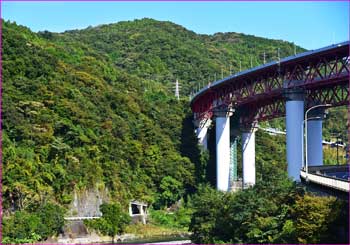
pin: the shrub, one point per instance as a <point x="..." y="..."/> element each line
<point x="112" y="222"/>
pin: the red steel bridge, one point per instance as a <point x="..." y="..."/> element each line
<point x="289" y="87"/>
<point x="259" y="92"/>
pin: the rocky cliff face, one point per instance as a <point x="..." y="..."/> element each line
<point x="87" y="203"/>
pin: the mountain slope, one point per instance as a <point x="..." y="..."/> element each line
<point x="94" y="108"/>
<point x="77" y="122"/>
<point x="163" y="51"/>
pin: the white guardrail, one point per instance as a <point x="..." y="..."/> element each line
<point x="81" y="218"/>
<point x="338" y="184"/>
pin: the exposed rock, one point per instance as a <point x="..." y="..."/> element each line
<point x="87" y="203"/>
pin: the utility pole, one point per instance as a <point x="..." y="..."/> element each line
<point x="240" y="65"/>
<point x="264" y="57"/>
<point x="278" y="54"/>
<point x="230" y="69"/>
<point x="337" y="144"/>
<point x="222" y="73"/>
<point x="251" y="62"/>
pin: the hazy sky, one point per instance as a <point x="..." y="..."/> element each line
<point x="311" y="25"/>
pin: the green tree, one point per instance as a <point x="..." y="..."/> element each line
<point x="171" y="190"/>
<point x="207" y="204"/>
<point x="35" y="226"/>
<point x="93" y="107"/>
<point x="52" y="218"/>
<point x="112" y="222"/>
<point x="317" y="217"/>
<point x="22" y="225"/>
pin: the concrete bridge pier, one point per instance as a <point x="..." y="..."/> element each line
<point x="294" y="131"/>
<point x="314" y="138"/>
<point x="202" y="132"/>
<point x="222" y="127"/>
<point x="248" y="156"/>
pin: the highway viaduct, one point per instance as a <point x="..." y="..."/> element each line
<point x="288" y="87"/>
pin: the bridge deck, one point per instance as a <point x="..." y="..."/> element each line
<point x="335" y="177"/>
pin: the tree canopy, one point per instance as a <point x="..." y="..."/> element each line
<point x="94" y="108"/>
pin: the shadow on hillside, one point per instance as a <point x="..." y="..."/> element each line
<point x="204" y="169"/>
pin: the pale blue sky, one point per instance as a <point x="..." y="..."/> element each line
<point x="311" y="25"/>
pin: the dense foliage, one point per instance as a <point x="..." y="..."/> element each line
<point x="28" y="227"/>
<point x="77" y="121"/>
<point x="94" y="108"/>
<point x="164" y="51"/>
<point x="272" y="212"/>
<point x="179" y="218"/>
<point x="112" y="222"/>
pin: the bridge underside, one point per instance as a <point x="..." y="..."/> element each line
<point x="259" y="94"/>
<point x="270" y="108"/>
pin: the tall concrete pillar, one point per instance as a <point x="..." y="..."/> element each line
<point x="294" y="131"/>
<point x="248" y="156"/>
<point x="222" y="150"/>
<point x="202" y="132"/>
<point x="314" y="142"/>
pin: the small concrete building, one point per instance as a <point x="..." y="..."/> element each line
<point x="138" y="212"/>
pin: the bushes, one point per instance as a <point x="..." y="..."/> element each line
<point x="278" y="213"/>
<point x="52" y="218"/>
<point x="26" y="227"/>
<point x="207" y="206"/>
<point x="179" y="219"/>
<point x="319" y="219"/>
<point x="112" y="222"/>
<point x="171" y="190"/>
<point x="22" y="226"/>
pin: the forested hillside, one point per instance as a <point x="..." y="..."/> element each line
<point x="72" y="119"/>
<point x="94" y="108"/>
<point x="164" y="51"/>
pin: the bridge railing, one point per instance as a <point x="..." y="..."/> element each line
<point x="81" y="218"/>
<point x="335" y="183"/>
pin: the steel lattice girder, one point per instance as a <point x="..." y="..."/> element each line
<point x="324" y="78"/>
<point x="337" y="95"/>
